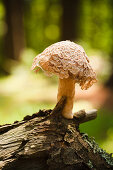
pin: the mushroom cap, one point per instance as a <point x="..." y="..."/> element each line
<point x="66" y="59"/>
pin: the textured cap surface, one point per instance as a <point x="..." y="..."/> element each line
<point x="66" y="59"/>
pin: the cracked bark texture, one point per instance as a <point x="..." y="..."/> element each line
<point x="47" y="141"/>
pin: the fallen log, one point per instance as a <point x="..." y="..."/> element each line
<point x="47" y="141"/>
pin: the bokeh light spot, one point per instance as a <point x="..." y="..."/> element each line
<point x="52" y="32"/>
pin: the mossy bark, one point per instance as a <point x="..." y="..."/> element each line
<point x="47" y="141"/>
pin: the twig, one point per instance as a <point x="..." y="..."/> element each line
<point x="82" y="116"/>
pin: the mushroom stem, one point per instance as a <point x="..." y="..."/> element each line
<point x="67" y="88"/>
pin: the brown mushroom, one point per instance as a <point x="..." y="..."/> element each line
<point x="70" y="62"/>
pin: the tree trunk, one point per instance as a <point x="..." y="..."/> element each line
<point x="70" y="19"/>
<point x="14" y="38"/>
<point x="47" y="141"/>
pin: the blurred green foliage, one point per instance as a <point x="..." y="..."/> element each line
<point x="97" y="24"/>
<point x="42" y="23"/>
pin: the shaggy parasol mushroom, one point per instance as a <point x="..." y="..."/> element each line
<point x="70" y="62"/>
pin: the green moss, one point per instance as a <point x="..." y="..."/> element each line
<point x="90" y="165"/>
<point x="97" y="149"/>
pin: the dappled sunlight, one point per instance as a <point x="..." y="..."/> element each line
<point x="82" y="104"/>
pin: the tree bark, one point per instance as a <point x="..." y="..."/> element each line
<point x="47" y="141"/>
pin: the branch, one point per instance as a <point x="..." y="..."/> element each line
<point x="82" y="116"/>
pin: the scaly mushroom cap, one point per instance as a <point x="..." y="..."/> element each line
<point x="66" y="59"/>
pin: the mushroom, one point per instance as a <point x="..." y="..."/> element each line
<point x="69" y="61"/>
